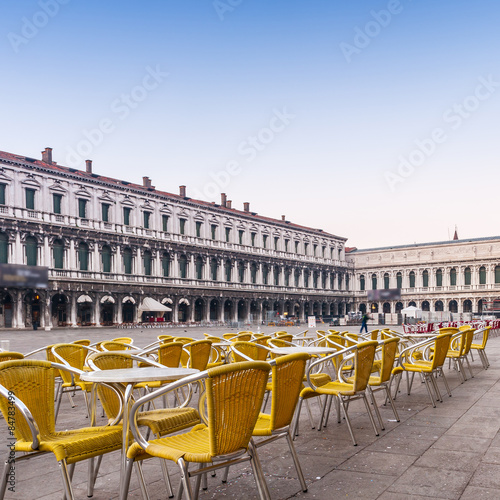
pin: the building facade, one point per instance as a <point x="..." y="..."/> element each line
<point x="108" y="244"/>
<point x="459" y="276"/>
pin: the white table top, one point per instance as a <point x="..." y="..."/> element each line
<point x="307" y="349"/>
<point x="133" y="375"/>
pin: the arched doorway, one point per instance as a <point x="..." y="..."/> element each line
<point x="199" y="307"/>
<point x="242" y="310"/>
<point x="59" y="309"/>
<point x="412" y="304"/>
<point x="33" y="307"/>
<point x="426" y="306"/>
<point x="84" y="310"/>
<point x="438" y="306"/>
<point x="254" y="312"/>
<point x="374" y="307"/>
<point x="324" y="309"/>
<point x="7" y="311"/>
<point x="107" y="310"/>
<point x="214" y="306"/>
<point x="228" y="310"/>
<point x="386" y="308"/>
<point x="399" y="307"/>
<point x="183" y="312"/>
<point x="277" y="307"/>
<point x="453" y="306"/>
<point x="316" y="309"/>
<point x="341" y="309"/>
<point x="128" y="306"/>
<point x="480" y="306"/>
<point x="467" y="306"/>
<point x="306" y="309"/>
<point x="362" y="308"/>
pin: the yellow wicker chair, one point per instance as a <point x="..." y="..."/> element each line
<point x="184" y="355"/>
<point x="233" y="397"/>
<point x="85" y="342"/>
<point x="435" y="348"/>
<point x="460" y="347"/>
<point x="262" y="340"/>
<point x="28" y="385"/>
<point x="481" y="348"/>
<point x="124" y="340"/>
<point x="113" y="345"/>
<point x="287" y="374"/>
<point x="246" y="351"/>
<point x="382" y="382"/>
<point x="199" y="353"/>
<point x="10" y="355"/>
<point x="74" y="356"/>
<point x="160" y="421"/>
<point x="342" y="390"/>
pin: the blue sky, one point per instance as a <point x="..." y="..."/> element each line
<point x="374" y="120"/>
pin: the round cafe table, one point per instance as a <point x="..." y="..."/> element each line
<point x="128" y="377"/>
<point x="313" y="350"/>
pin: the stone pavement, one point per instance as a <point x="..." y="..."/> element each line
<point x="448" y="452"/>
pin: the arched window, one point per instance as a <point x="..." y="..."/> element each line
<point x="83" y="256"/>
<point x="147" y="262"/>
<point x="453" y="277"/>
<point x="482" y="275"/>
<point x="438" y="306"/>
<point x="228" y="269"/>
<point x="199" y="268"/>
<point x="412" y="279"/>
<point x="426" y="306"/>
<point x="213" y="269"/>
<point x="165" y="264"/>
<point x="362" y="282"/>
<point x="4" y="248"/>
<point x="425" y="278"/>
<point x="127" y="261"/>
<point x="439" y="277"/>
<point x="31" y="251"/>
<point x="497" y="274"/>
<point x="183" y="266"/>
<point x="399" y="280"/>
<point x="386" y="281"/>
<point x="106" y="259"/>
<point x="467" y="276"/>
<point x="374" y="281"/>
<point x="58" y="254"/>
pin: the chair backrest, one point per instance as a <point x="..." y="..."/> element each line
<point x="114" y="345"/>
<point x="199" y="354"/>
<point x="165" y="338"/>
<point x="351" y="339"/>
<point x="374" y="334"/>
<point x="10" y="355"/>
<point x="31" y="381"/>
<point x="250" y="349"/>
<point x="228" y="336"/>
<point x="288" y="337"/>
<point x="467" y="341"/>
<point x="262" y="340"/>
<point x="245" y="336"/>
<point x="110" y="361"/>
<point x="486" y="333"/>
<point x="125" y="340"/>
<point x="234" y="397"/>
<point x="184" y="354"/>
<point x="74" y="355"/>
<point x="169" y="354"/>
<point x="441" y="346"/>
<point x="287" y="382"/>
<point x="363" y="362"/>
<point x="389" y="350"/>
<point x="85" y="342"/>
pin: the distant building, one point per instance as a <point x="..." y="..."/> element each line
<point x="110" y="243"/>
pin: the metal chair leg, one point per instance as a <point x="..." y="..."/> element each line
<point x="349" y="427"/>
<point x="375" y="407"/>
<point x="124" y="487"/>
<point x="185" y="479"/>
<point x="296" y="462"/>
<point x="66" y="479"/>
<point x="370" y="416"/>
<point x="258" y="473"/>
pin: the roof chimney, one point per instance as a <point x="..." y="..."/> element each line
<point x="47" y="155"/>
<point x="228" y="203"/>
<point x="88" y="166"/>
<point x="182" y="191"/>
<point x="283" y="218"/>
<point x="246" y="206"/>
<point x="223" y="199"/>
<point x="146" y="181"/>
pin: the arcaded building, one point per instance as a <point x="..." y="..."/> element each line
<point x="458" y="276"/>
<point x="109" y="243"/>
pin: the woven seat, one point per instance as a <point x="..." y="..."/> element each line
<point x="234" y="394"/>
<point x="32" y="382"/>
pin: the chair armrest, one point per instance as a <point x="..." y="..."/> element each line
<point x="324" y="360"/>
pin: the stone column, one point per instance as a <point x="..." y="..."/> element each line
<point x="47" y="313"/>
<point x="119" y="311"/>
<point x="18" y="316"/>
<point x="72" y="311"/>
<point x="97" y="311"/>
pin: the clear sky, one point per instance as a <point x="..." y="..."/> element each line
<point x="375" y="120"/>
